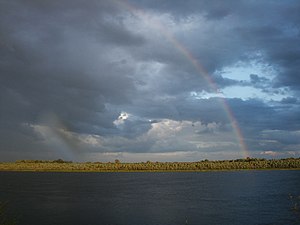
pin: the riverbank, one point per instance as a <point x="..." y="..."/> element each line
<point x="200" y="166"/>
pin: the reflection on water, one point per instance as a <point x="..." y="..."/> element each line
<point x="245" y="197"/>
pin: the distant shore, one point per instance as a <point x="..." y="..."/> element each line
<point x="117" y="166"/>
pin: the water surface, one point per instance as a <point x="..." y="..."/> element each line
<point x="210" y="198"/>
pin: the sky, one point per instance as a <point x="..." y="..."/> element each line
<point x="140" y="80"/>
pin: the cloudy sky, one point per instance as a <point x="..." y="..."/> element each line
<point x="152" y="80"/>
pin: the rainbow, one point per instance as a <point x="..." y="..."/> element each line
<point x="196" y="64"/>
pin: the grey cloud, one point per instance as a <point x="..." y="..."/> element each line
<point x="257" y="115"/>
<point x="225" y="82"/>
<point x="117" y="34"/>
<point x="210" y="9"/>
<point x="84" y="63"/>
<point x="51" y="62"/>
<point x="284" y="137"/>
<point x="261" y="123"/>
<point x="289" y="100"/>
<point x="133" y="128"/>
<point x="255" y="79"/>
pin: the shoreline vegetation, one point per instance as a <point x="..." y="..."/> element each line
<point x="60" y="165"/>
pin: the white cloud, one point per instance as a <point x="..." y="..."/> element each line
<point x="206" y="95"/>
<point x="92" y="140"/>
<point x="171" y="135"/>
<point x="248" y="92"/>
<point x="280" y="154"/>
<point x="270" y="153"/>
<point x="175" y="156"/>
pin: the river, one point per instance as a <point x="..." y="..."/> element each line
<point x="196" y="198"/>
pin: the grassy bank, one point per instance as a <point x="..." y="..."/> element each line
<point x="117" y="166"/>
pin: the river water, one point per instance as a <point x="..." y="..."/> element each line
<point x="196" y="198"/>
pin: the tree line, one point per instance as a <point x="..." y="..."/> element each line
<point x="204" y="165"/>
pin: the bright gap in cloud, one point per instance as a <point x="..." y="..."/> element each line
<point x="242" y="92"/>
<point x="241" y="71"/>
<point x="254" y="80"/>
<point x="205" y="95"/>
<point x="122" y="117"/>
<point x="247" y="93"/>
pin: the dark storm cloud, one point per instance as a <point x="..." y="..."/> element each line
<point x="247" y="29"/>
<point x="278" y="39"/>
<point x="266" y="127"/>
<point x="55" y="59"/>
<point x="84" y="63"/>
<point x="271" y="28"/>
<point x="266" y="32"/>
<point x="51" y="63"/>
<point x="210" y="9"/>
<point x="183" y="108"/>
<point x="289" y="100"/>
